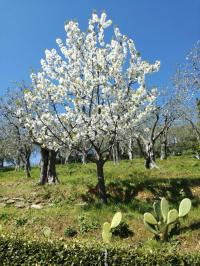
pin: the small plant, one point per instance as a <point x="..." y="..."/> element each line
<point x="46" y="195"/>
<point x="47" y="231"/>
<point x="21" y="221"/>
<point x="86" y="226"/>
<point x="107" y="227"/>
<point x="122" y="230"/>
<point x="165" y="218"/>
<point x="4" y="216"/>
<point x="70" y="232"/>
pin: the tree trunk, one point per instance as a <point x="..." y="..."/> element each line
<point x="1" y="163"/>
<point x="51" y="174"/>
<point x="26" y="163"/>
<point x="29" y="163"/>
<point x="67" y="155"/>
<point x="115" y="151"/>
<point x="150" y="156"/>
<point x="44" y="166"/>
<point x="101" y="181"/>
<point x="84" y="157"/>
<point x="163" y="147"/>
<point x="17" y="163"/>
<point x="130" y="150"/>
<point x="27" y="168"/>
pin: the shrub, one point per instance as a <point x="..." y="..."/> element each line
<point x="21" y="221"/>
<point x="122" y="230"/>
<point x="19" y="252"/>
<point x="70" y="232"/>
<point x="85" y="225"/>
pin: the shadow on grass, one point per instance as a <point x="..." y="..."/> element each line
<point x="141" y="195"/>
<point x="177" y="229"/>
<point x="6" y="169"/>
<point x="193" y="226"/>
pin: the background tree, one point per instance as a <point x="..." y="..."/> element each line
<point x="17" y="143"/>
<point x="187" y="81"/>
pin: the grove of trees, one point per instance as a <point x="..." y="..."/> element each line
<point x="90" y="101"/>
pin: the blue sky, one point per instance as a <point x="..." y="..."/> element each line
<point x="163" y="30"/>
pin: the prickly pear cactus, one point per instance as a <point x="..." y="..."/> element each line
<point x="107" y="227"/>
<point x="47" y="231"/>
<point x="164" y="218"/>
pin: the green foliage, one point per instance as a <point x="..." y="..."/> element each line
<point x="107" y="227"/>
<point x="70" y="232"/>
<point x="122" y="230"/>
<point x="84" y="225"/>
<point x="21" y="221"/>
<point x="4" y="216"/>
<point x="164" y="218"/>
<point x="26" y="91"/>
<point x="46" y="195"/>
<point x="130" y="189"/>
<point x="17" y="252"/>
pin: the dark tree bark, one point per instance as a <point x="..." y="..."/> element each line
<point x="27" y="168"/>
<point x="44" y="166"/>
<point x="1" y="163"/>
<point x="51" y="174"/>
<point x="101" y="181"/>
<point x="27" y="165"/>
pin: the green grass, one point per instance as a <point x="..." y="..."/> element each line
<point x="131" y="189"/>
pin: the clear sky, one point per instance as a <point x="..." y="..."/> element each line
<point x="162" y="29"/>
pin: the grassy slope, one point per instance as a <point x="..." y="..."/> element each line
<point x="132" y="190"/>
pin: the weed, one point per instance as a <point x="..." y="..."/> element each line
<point x="21" y="221"/>
<point x="70" y="232"/>
<point x="85" y="226"/>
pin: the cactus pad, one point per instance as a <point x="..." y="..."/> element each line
<point x="184" y="207"/>
<point x="106" y="232"/>
<point x="47" y="231"/>
<point x="116" y="220"/>
<point x="164" y="207"/>
<point x="172" y="216"/>
<point x="149" y="218"/>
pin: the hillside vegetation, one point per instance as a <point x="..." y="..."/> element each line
<point x="72" y="210"/>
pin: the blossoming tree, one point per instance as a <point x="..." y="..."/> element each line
<point x="17" y="143"/>
<point x="92" y="91"/>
